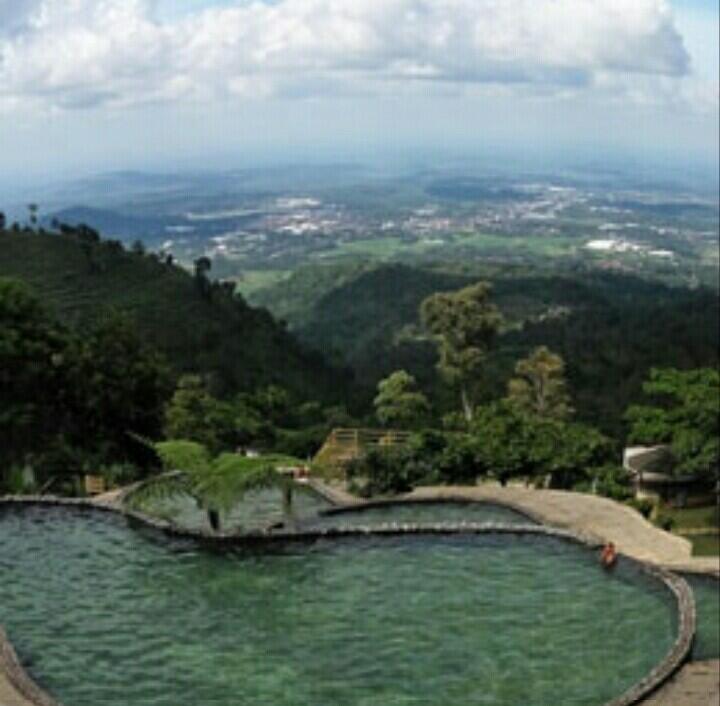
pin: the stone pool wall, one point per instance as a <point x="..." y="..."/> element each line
<point x="359" y="506"/>
<point x="679" y="653"/>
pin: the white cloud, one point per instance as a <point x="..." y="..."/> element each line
<point x="80" y="53"/>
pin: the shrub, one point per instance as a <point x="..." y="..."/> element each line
<point x="386" y="471"/>
<point x="612" y="482"/>
<point x="644" y="506"/>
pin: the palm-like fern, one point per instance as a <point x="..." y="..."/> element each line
<point x="216" y="484"/>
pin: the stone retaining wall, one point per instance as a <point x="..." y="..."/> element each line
<point x="678" y="587"/>
<point x="458" y="500"/>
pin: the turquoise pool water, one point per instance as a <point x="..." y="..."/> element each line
<point x="422" y="512"/>
<point x="103" y="613"/>
<point x="707" y="602"/>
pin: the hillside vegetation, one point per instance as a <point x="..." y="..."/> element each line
<point x="199" y="329"/>
<point x="609" y="328"/>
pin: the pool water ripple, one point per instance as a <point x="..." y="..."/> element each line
<point x="106" y="615"/>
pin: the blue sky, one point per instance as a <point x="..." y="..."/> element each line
<point x="88" y="85"/>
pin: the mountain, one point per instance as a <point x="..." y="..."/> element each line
<point x="114" y="224"/>
<point x="200" y="327"/>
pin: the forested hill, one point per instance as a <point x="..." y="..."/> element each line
<point x="610" y="328"/>
<point x="200" y="326"/>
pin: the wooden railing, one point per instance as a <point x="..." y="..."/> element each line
<point x="343" y="445"/>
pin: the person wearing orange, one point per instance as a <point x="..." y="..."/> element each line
<point x="608" y="556"/>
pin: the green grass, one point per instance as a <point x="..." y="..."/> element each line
<point x="251" y="281"/>
<point x="705" y="544"/>
<point x="538" y="245"/>
<point x="693" y="518"/>
<point x="384" y="249"/>
<point x="378" y="248"/>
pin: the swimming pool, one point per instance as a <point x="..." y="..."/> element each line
<point x="706" y="590"/>
<point x="418" y="511"/>
<point x="104" y="614"/>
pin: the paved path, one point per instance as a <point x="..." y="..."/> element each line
<point x="697" y="684"/>
<point x="8" y="695"/>
<point x="589" y="515"/>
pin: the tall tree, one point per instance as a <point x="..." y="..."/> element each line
<point x="34" y="360"/>
<point x="464" y="324"/>
<point x="539" y="386"/>
<point x="195" y="415"/>
<point x="399" y="403"/>
<point x="685" y="415"/>
<point x="33" y="214"/>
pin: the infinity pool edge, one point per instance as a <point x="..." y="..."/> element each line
<point x="679" y="653"/>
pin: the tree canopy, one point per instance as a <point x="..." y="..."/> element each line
<point x="464" y="324"/>
<point x="685" y="414"/>
<point x="399" y="403"/>
<point x="70" y="400"/>
<point x="539" y="385"/>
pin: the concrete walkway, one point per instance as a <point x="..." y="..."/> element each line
<point x="589" y="515"/>
<point x="697" y="684"/>
<point x="8" y="695"/>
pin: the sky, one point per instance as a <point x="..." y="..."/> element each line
<point x="99" y="85"/>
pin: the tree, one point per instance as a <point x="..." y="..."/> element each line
<point x="540" y="387"/>
<point x="3" y="220"/>
<point x="217" y="484"/>
<point x="34" y="362"/>
<point x="512" y="443"/>
<point x="398" y="402"/>
<point x="120" y="386"/>
<point x="686" y="415"/>
<point x="195" y="415"/>
<point x="33" y="214"/>
<point x="138" y="247"/>
<point x="203" y="265"/>
<point x="464" y="324"/>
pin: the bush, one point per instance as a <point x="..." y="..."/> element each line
<point x="612" y="482"/>
<point x="458" y="462"/>
<point x="387" y="471"/>
<point x="302" y="443"/>
<point x="665" y="522"/>
<point x="120" y="474"/>
<point x="644" y="507"/>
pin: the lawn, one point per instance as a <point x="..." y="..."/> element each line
<point x="250" y="281"/>
<point x="705" y="544"/>
<point x="693" y="517"/>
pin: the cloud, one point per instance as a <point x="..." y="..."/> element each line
<point x="14" y="15"/>
<point x="83" y="53"/>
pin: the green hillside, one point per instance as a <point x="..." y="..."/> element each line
<point x="213" y="332"/>
<point x="610" y="329"/>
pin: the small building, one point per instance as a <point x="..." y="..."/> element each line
<point x="651" y="471"/>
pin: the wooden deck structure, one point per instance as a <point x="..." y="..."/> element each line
<point x="344" y="445"/>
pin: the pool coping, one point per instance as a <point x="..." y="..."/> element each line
<point x="656" y="678"/>
<point x="363" y="505"/>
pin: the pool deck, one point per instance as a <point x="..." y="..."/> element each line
<point x="588" y="515"/>
<point x="697" y="684"/>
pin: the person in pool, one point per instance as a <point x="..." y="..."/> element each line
<point x="608" y="556"/>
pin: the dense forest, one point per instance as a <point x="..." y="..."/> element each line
<point x="501" y="370"/>
<point x="200" y="325"/>
<point x="102" y="347"/>
<point x="610" y="329"/>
